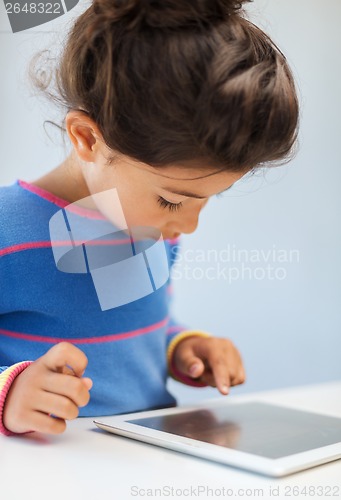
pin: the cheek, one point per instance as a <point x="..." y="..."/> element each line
<point x="144" y="212"/>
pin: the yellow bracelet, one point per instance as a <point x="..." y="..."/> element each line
<point x="178" y="338"/>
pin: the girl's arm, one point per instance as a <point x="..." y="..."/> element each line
<point x="199" y="359"/>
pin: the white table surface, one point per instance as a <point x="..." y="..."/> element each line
<point x="87" y="463"/>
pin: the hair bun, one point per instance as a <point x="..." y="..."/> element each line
<point x="166" y="13"/>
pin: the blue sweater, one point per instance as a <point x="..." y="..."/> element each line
<point x="39" y="306"/>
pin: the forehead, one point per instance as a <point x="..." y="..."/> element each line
<point x="192" y="176"/>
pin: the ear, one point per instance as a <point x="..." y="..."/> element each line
<point x="84" y="135"/>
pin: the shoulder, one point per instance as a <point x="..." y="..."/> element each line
<point x="23" y="216"/>
<point x="8" y="195"/>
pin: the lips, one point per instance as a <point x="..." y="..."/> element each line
<point x="174" y="236"/>
<point x="170" y="236"/>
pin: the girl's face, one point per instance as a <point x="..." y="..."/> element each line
<point x="166" y="198"/>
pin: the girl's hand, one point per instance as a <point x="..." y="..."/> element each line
<point x="47" y="387"/>
<point x="212" y="360"/>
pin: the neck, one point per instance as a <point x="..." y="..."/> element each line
<point x="65" y="181"/>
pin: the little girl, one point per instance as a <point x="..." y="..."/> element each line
<point x="169" y="102"/>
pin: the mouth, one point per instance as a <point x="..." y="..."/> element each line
<point x="171" y="236"/>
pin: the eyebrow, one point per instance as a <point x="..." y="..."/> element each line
<point x="191" y="195"/>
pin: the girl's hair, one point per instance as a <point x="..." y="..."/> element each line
<point x="173" y="80"/>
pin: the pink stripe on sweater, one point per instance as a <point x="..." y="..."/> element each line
<point x="25" y="246"/>
<point x="42" y="193"/>
<point x="48" y="244"/>
<point x="175" y="328"/>
<point x="92" y="340"/>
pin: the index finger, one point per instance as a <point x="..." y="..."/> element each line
<point x="221" y="373"/>
<point x="65" y="354"/>
<point x="218" y="359"/>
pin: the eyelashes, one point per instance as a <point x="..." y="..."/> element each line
<point x="172" y="207"/>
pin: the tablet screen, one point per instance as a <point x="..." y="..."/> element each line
<point x="258" y="428"/>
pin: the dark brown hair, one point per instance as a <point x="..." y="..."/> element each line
<point x="173" y="80"/>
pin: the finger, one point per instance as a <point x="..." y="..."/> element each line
<point x="223" y="373"/>
<point x="87" y="382"/>
<point x="239" y="378"/>
<point x="207" y="376"/>
<point x="68" y="370"/>
<point x="65" y="354"/>
<point x="58" y="406"/>
<point x="208" y="379"/>
<point x="226" y="364"/>
<point x="193" y="367"/>
<point x="242" y="376"/>
<point x="196" y="361"/>
<point x="217" y="357"/>
<point x="189" y="364"/>
<point x="74" y="388"/>
<point x="238" y="374"/>
<point x="40" y="422"/>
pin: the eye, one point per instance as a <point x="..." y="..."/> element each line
<point x="167" y="204"/>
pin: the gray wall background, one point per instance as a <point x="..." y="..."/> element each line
<point x="285" y="321"/>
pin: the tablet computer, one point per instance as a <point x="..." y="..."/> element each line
<point x="269" y="439"/>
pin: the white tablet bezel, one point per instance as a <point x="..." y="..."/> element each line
<point x="271" y="467"/>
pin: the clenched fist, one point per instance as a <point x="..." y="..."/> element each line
<point x="48" y="387"/>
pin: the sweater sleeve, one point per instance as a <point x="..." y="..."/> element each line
<point x="176" y="332"/>
<point x="7" y="377"/>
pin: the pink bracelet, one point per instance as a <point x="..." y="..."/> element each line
<point x="9" y="376"/>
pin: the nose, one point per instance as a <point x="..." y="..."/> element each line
<point x="188" y="223"/>
<point x="187" y="220"/>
